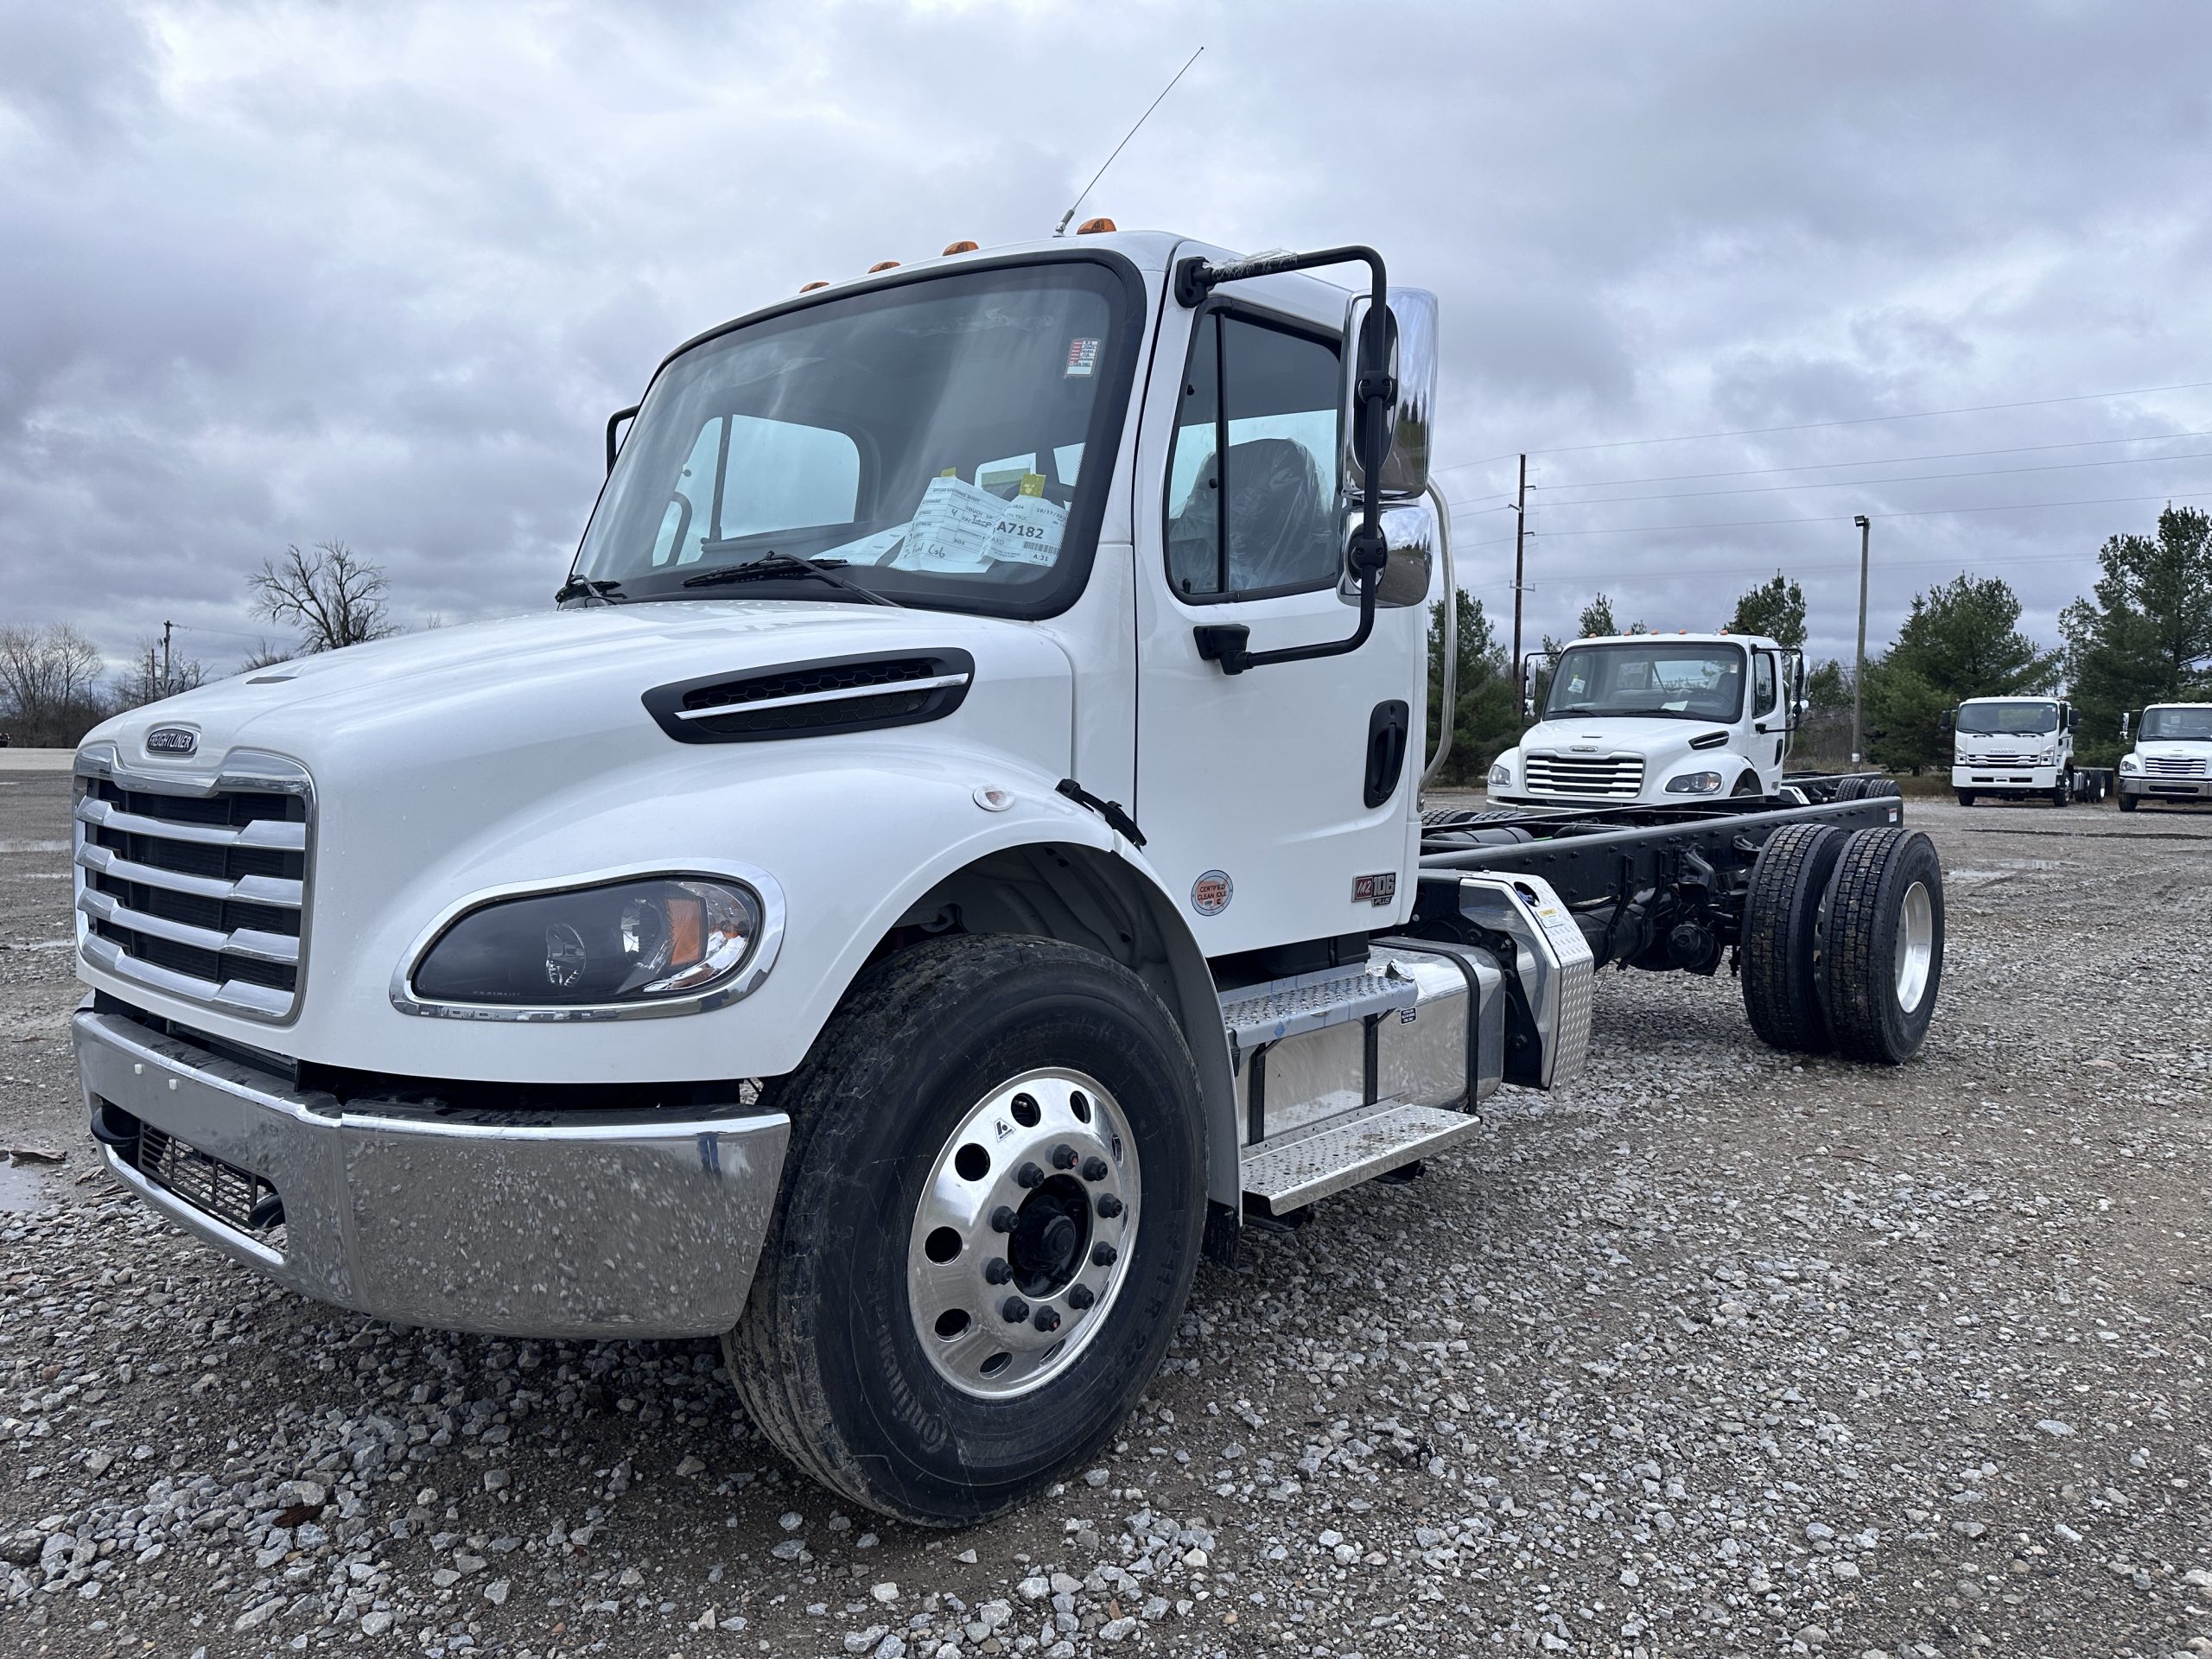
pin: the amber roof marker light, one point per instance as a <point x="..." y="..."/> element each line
<point x="959" y="247"/>
<point x="883" y="265"/>
<point x="1062" y="227"/>
<point x="1094" y="228"/>
<point x="809" y="288"/>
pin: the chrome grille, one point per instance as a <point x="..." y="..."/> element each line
<point x="2000" y="758"/>
<point x="1596" y="775"/>
<point x="196" y="887"/>
<point x="2175" y="765"/>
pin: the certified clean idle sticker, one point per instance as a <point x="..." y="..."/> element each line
<point x="1210" y="892"/>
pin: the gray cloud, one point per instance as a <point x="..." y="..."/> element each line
<point x="276" y="273"/>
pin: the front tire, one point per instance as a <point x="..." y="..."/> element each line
<point x="1882" y="944"/>
<point x="938" y="1110"/>
<point x="1966" y="798"/>
<point x="2127" y="802"/>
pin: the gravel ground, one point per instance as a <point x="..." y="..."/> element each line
<point x="1715" y="1352"/>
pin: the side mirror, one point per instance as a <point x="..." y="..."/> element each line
<point x="614" y="430"/>
<point x="2073" y="719"/>
<point x="1409" y="533"/>
<point x="1409" y="356"/>
<point x="2124" y="719"/>
<point x="1948" y="721"/>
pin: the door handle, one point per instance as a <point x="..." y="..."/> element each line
<point x="1386" y="729"/>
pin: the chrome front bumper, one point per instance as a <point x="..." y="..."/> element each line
<point x="2153" y="787"/>
<point x="560" y="1224"/>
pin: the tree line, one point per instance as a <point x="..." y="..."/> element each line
<point x="55" y="686"/>
<point x="2143" y="635"/>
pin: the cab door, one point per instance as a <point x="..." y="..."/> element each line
<point x="1280" y="803"/>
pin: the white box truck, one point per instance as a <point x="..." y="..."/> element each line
<point x="952" y="853"/>
<point x="2018" y="746"/>
<point x="2173" y="757"/>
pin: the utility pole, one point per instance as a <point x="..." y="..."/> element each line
<point x="166" y="681"/>
<point x="1858" y="672"/>
<point x="1520" y="529"/>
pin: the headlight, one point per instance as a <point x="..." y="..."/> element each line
<point x="1694" y="783"/>
<point x="1501" y="773"/>
<point x="2129" y="763"/>
<point x="659" y="940"/>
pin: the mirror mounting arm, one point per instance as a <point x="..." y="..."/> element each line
<point x="1368" y="549"/>
<point x="614" y="433"/>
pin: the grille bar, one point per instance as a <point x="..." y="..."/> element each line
<point x="2175" y="765"/>
<point x="195" y="885"/>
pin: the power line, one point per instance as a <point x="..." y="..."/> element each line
<point x="1869" y="420"/>
<point x="1906" y="478"/>
<point x="1872" y="460"/>
<point x="1811" y="570"/>
<point x="1841" y="518"/>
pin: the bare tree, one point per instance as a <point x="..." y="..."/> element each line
<point x="144" y="681"/>
<point x="333" y="596"/>
<point x="49" y="684"/>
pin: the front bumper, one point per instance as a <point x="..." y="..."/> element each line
<point x="2152" y="787"/>
<point x="559" y="1224"/>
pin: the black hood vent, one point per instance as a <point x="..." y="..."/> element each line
<point x="816" y="699"/>
<point x="1708" y="741"/>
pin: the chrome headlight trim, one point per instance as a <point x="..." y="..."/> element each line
<point x="746" y="980"/>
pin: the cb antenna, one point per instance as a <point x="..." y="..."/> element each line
<point x="1061" y="228"/>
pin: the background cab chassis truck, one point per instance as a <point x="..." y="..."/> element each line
<point x="2020" y="746"/>
<point x="1653" y="720"/>
<point x="2173" y="757"/>
<point x="806" y="933"/>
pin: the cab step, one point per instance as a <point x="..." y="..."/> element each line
<point x="1292" y="1170"/>
<point x="1288" y="1008"/>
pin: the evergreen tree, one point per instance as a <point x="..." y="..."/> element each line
<point x="1776" y="609"/>
<point x="1961" y="641"/>
<point x="2147" y="635"/>
<point x="1487" y="717"/>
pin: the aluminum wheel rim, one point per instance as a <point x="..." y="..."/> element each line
<point x="1915" y="944"/>
<point x="1002" y="1300"/>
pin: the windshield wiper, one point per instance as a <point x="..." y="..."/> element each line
<point x="775" y="565"/>
<point x="585" y="588"/>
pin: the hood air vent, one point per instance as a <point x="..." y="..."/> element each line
<point x="818" y="699"/>
<point x="1709" y="740"/>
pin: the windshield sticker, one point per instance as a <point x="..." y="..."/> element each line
<point x="1082" y="357"/>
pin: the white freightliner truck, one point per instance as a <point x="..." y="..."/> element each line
<point x="2019" y="746"/>
<point x="1650" y="719"/>
<point x="953" y="852"/>
<point x="2173" y="757"/>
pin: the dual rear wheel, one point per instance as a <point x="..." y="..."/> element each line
<point x="1843" y="941"/>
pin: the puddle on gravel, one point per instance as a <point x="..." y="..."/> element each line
<point x="25" y="1186"/>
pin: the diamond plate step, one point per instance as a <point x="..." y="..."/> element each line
<point x="1292" y="1170"/>
<point x="1267" y="1013"/>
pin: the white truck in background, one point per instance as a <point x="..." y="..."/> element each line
<point x="2173" y="757"/>
<point x="1653" y="720"/>
<point x="2021" y="747"/>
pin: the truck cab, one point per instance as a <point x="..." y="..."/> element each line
<point x="2018" y="746"/>
<point x="1653" y="720"/>
<point x="2173" y="757"/>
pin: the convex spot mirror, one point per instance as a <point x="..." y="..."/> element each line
<point x="1411" y="360"/>
<point x="1410" y="532"/>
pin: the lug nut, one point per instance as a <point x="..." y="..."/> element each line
<point x="1080" y="1297"/>
<point x="1003" y="1220"/>
<point x="1109" y="1205"/>
<point x="1094" y="1169"/>
<point x="1047" y="1320"/>
<point x="1029" y="1175"/>
<point x="996" y="1270"/>
<point x="1103" y="1254"/>
<point x="1014" y="1309"/>
<point x="1064" y="1156"/>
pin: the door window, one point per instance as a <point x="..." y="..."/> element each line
<point x="1252" y="482"/>
<point x="1762" y="681"/>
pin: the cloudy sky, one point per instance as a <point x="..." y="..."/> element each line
<point x="275" y="273"/>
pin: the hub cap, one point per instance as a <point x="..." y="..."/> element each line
<point x="1916" y="945"/>
<point x="1024" y="1233"/>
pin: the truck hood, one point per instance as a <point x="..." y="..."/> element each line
<point x="2175" y="748"/>
<point x="557" y="692"/>
<point x="1663" y="741"/>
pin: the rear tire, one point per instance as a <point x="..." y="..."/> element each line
<point x="838" y="1358"/>
<point x="1781" y="941"/>
<point x="1882" y="944"/>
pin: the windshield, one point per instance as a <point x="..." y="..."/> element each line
<point x="940" y="442"/>
<point x="2013" y="718"/>
<point x="2178" y="725"/>
<point x="1686" y="681"/>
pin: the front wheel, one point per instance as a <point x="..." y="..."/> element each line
<point x="990" y="1216"/>
<point x="2127" y="802"/>
<point x="1966" y="798"/>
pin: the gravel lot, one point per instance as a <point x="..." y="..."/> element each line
<point x="1714" y="1353"/>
